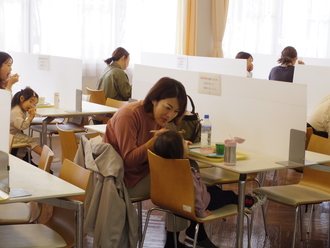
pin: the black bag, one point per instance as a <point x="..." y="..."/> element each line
<point x="191" y="123"/>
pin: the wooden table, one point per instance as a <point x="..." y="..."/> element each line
<point x="256" y="162"/>
<point x="88" y="109"/>
<point x="44" y="188"/>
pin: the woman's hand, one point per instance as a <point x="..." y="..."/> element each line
<point x="12" y="80"/>
<point x="150" y="143"/>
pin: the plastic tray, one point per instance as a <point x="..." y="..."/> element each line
<point x="194" y="152"/>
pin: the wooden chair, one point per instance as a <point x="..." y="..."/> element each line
<point x="59" y="230"/>
<point x="314" y="187"/>
<point x="19" y="145"/>
<point x="309" y="132"/>
<point x="115" y="103"/>
<point x="172" y="190"/>
<point x="96" y="96"/>
<point x="112" y="103"/>
<point x="68" y="142"/>
<point x="21" y="213"/>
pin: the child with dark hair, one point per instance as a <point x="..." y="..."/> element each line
<point x="171" y="145"/>
<point x="23" y="102"/>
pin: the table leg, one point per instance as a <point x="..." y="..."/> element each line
<point x="241" y="206"/>
<point x="44" y="130"/>
<point x="79" y="225"/>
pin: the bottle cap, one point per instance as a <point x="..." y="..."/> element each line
<point x="206" y="116"/>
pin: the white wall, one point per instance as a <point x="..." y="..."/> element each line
<point x="317" y="79"/>
<point x="262" y="112"/>
<point x="235" y="67"/>
<point x="64" y="76"/>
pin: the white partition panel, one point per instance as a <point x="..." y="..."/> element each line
<point x="235" y="67"/>
<point x="64" y="76"/>
<point x="317" y="79"/>
<point x="262" y="112"/>
<point x="5" y="101"/>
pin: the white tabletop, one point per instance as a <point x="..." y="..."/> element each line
<point x="88" y="108"/>
<point x="97" y="128"/>
<point x="257" y="162"/>
<point x="40" y="184"/>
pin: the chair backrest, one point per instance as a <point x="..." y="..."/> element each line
<point x="309" y="132"/>
<point x="319" y="144"/>
<point x="171" y="185"/>
<point x="96" y="96"/>
<point x="114" y="103"/>
<point x="318" y="179"/>
<point x="76" y="175"/>
<point x="68" y="142"/>
<point x="11" y="140"/>
<point x="46" y="158"/>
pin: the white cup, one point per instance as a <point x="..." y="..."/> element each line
<point x="41" y="100"/>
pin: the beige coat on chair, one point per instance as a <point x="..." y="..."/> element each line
<point x="110" y="216"/>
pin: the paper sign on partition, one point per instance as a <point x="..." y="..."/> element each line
<point x="209" y="83"/>
<point x="182" y="62"/>
<point x="43" y="62"/>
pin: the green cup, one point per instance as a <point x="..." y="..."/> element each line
<point x="220" y="148"/>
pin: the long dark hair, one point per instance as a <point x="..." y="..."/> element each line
<point x="169" y="145"/>
<point x="243" y="55"/>
<point x="3" y="58"/>
<point x="287" y="55"/>
<point x="116" y="55"/>
<point x="27" y="93"/>
<point x="167" y="88"/>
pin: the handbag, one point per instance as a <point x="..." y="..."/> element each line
<point x="191" y="124"/>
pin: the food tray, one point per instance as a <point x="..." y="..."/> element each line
<point x="212" y="157"/>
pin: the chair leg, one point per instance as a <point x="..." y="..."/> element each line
<point x="145" y="228"/>
<point x="295" y="226"/>
<point x="139" y="207"/>
<point x="300" y="219"/>
<point x="264" y="213"/>
<point x="310" y="219"/>
<point x="174" y="232"/>
<point x="196" y="235"/>
<point x="249" y="222"/>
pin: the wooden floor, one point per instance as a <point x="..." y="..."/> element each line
<point x="279" y="220"/>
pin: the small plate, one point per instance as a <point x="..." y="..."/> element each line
<point x="199" y="150"/>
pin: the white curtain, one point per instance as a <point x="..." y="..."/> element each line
<point x="88" y="29"/>
<point x="267" y="26"/>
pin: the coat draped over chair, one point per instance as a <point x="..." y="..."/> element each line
<point x="110" y="217"/>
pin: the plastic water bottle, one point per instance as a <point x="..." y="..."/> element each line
<point x="56" y="100"/>
<point x="206" y="131"/>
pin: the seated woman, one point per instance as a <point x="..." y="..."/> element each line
<point x="319" y="120"/>
<point x="171" y="145"/>
<point x="249" y="60"/>
<point x="285" y="71"/>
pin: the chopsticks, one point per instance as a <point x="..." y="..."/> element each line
<point x="155" y="131"/>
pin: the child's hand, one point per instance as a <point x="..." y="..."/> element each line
<point x="32" y="111"/>
<point x="208" y="212"/>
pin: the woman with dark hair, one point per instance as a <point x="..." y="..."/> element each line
<point x="249" y="60"/>
<point x="114" y="81"/>
<point x="6" y="81"/>
<point x="285" y="71"/>
<point x="131" y="132"/>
